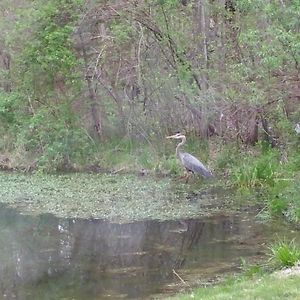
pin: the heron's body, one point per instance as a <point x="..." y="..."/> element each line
<point x="192" y="164"/>
<point x="188" y="161"/>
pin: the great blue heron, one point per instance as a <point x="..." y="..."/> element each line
<point x="188" y="161"/>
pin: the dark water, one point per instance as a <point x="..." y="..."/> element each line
<point x="45" y="257"/>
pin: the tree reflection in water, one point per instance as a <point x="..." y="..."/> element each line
<point x="53" y="258"/>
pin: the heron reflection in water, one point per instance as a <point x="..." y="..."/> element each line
<point x="188" y="161"/>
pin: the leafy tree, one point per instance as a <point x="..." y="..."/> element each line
<point x="47" y="86"/>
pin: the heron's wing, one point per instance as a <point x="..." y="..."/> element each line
<point x="191" y="163"/>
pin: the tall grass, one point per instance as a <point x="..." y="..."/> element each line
<point x="258" y="171"/>
<point x="262" y="170"/>
<point x="284" y="254"/>
<point x="157" y="156"/>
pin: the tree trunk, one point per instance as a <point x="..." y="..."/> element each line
<point x="97" y="125"/>
<point x="203" y="45"/>
<point x="5" y="57"/>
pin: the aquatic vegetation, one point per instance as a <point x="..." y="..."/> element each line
<point x="284" y="254"/>
<point x="107" y="196"/>
<point x="250" y="270"/>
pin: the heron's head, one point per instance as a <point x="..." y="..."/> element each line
<point x="176" y="136"/>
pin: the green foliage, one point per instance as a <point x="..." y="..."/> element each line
<point x="49" y="53"/>
<point x="63" y="149"/>
<point x="250" y="270"/>
<point x="8" y="104"/>
<point x="152" y="80"/>
<point x="266" y="286"/>
<point x="284" y="254"/>
<point x="283" y="197"/>
<point x="126" y="154"/>
<point x="169" y="3"/>
<point x="145" y="159"/>
<point x="293" y="164"/>
<point x="197" y="147"/>
<point x="171" y="165"/>
<point x="256" y="172"/>
<point x="227" y="157"/>
<point x="121" y="31"/>
<point x="290" y="197"/>
<point x="282" y="23"/>
<point x="39" y="112"/>
<point x="277" y="206"/>
<point x="9" y="120"/>
<point x="129" y="155"/>
<point x="276" y="181"/>
<point x="56" y="139"/>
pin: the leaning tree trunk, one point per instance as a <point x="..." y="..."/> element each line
<point x="97" y="125"/>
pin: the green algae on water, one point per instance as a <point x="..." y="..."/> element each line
<point x="119" y="198"/>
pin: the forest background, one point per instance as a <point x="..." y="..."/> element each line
<point x="97" y="85"/>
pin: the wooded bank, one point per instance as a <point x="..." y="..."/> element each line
<point x="77" y="74"/>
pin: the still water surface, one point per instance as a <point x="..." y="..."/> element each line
<point x="45" y="257"/>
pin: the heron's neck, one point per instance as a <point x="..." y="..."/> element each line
<point x="179" y="145"/>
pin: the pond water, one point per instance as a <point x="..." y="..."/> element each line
<point x="45" y="257"/>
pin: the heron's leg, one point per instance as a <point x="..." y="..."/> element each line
<point x="188" y="175"/>
<point x="184" y="175"/>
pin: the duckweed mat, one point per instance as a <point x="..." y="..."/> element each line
<point x="120" y="198"/>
